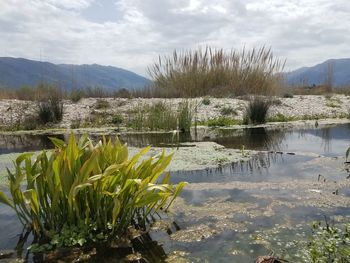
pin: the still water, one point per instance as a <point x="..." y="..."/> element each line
<point x="236" y="212"/>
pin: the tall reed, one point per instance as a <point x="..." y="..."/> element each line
<point x="217" y="72"/>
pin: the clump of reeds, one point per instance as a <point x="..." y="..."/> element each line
<point x="217" y="72"/>
<point x="256" y="111"/>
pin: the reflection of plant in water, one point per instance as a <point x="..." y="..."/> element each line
<point x="82" y="193"/>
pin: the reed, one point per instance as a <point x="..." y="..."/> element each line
<point x="217" y="72"/>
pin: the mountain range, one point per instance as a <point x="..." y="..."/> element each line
<point x="16" y="72"/>
<point x="335" y="70"/>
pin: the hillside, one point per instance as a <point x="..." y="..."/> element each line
<point x="318" y="73"/>
<point x="16" y="72"/>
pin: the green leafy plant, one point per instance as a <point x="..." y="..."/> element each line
<point x="329" y="243"/>
<point x="94" y="192"/>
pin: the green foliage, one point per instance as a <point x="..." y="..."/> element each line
<point x="117" y="119"/>
<point x="329" y="243"/>
<point x="279" y="117"/>
<point x="185" y="115"/>
<point x="256" y="111"/>
<point x="221" y="122"/>
<point x="206" y="101"/>
<point x="347" y="154"/>
<point x="82" y="192"/>
<point x="76" y="95"/>
<point x="102" y="104"/>
<point x="210" y="71"/>
<point x="227" y="110"/>
<point x="161" y="116"/>
<point x="50" y="111"/>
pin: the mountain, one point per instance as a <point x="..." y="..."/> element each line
<point x="339" y="69"/>
<point x="16" y="72"/>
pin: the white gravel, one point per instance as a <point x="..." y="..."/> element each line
<point x="13" y="111"/>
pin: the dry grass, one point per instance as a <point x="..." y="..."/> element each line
<point x="212" y="71"/>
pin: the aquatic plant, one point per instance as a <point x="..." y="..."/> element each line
<point x="162" y="116"/>
<point x="92" y="191"/>
<point x="329" y="243"/>
<point x="256" y="111"/>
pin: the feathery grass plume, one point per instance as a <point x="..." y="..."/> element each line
<point x="218" y="72"/>
<point x="90" y="189"/>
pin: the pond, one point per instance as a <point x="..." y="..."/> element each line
<point x="235" y="212"/>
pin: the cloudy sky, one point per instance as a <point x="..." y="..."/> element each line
<point x="131" y="33"/>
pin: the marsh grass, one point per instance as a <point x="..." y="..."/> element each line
<point x="210" y="71"/>
<point x="162" y="116"/>
<point x="81" y="192"/>
<point x="256" y="111"/>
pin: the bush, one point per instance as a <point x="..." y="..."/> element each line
<point x="256" y="111"/>
<point x="92" y="192"/>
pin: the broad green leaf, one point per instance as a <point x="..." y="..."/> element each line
<point x="57" y="142"/>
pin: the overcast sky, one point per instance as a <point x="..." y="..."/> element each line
<point x="131" y="33"/>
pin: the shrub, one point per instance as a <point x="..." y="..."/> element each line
<point x="216" y="72"/>
<point x="92" y="191"/>
<point x="256" y="111"/>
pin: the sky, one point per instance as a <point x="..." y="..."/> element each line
<point x="132" y="33"/>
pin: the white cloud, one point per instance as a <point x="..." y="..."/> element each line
<point x="134" y="32"/>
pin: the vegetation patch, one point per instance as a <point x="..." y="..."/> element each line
<point x="279" y="117"/>
<point x="83" y="193"/>
<point x="256" y="111"/>
<point x="221" y="122"/>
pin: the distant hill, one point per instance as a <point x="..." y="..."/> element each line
<point x="16" y="72"/>
<point x="318" y="73"/>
